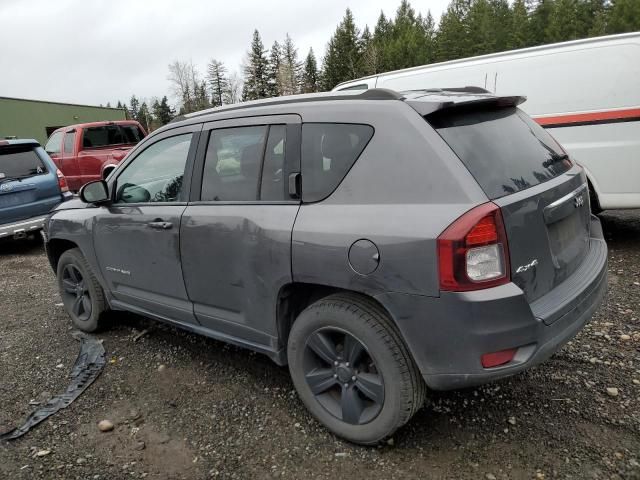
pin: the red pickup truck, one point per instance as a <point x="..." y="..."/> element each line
<point x="90" y="151"/>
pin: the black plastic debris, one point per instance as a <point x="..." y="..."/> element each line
<point x="87" y="368"/>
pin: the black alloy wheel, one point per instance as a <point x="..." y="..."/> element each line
<point x="75" y="294"/>
<point x="342" y="376"/>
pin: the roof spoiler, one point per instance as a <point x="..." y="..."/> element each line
<point x="425" y="108"/>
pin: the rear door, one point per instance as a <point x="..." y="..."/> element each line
<point x="236" y="232"/>
<point x="28" y="185"/>
<point x="543" y="197"/>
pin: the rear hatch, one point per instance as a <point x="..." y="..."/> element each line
<point x="542" y="196"/>
<point x="28" y="187"/>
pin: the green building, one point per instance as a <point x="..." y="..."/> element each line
<point x="22" y="118"/>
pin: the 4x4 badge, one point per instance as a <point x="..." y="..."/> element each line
<point x="524" y="268"/>
<point x="578" y="201"/>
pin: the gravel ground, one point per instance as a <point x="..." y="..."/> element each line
<point x="189" y="407"/>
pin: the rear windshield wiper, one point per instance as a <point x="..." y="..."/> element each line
<point x="555" y="158"/>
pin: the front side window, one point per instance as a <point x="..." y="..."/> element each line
<point x="55" y="143"/>
<point x="329" y="150"/>
<point x="69" y="140"/>
<point x="156" y="174"/>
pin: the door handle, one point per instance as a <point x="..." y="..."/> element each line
<point x="159" y="224"/>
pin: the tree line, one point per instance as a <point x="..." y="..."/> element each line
<point x="409" y="38"/>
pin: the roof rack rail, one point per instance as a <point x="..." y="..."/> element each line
<point x="370" y="94"/>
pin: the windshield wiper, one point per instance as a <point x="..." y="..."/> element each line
<point x="555" y="158"/>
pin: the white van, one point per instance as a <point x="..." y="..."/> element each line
<point x="586" y="92"/>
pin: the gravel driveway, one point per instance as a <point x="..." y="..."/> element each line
<point x="188" y="407"/>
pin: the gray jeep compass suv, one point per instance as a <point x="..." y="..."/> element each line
<point x="377" y="243"/>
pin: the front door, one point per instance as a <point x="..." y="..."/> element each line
<point x="69" y="161"/>
<point x="236" y="234"/>
<point x="137" y="237"/>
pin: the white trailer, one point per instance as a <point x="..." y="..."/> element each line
<point x="586" y="92"/>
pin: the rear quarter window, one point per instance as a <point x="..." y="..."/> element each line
<point x="504" y="149"/>
<point x="20" y="162"/>
<point x="329" y="150"/>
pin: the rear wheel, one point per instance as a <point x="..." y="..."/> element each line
<point x="352" y="369"/>
<point x="82" y="295"/>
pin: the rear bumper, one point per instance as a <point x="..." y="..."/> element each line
<point x="23" y="227"/>
<point x="448" y="335"/>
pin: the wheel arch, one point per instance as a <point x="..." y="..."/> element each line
<point x="55" y="248"/>
<point x="294" y="297"/>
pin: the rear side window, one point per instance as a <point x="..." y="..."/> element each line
<point x="504" y="149"/>
<point x="329" y="150"/>
<point x="20" y="162"/>
<point x="106" y="135"/>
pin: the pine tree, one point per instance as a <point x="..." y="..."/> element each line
<point x="380" y="61"/>
<point x="108" y="105"/>
<point x="135" y="106"/>
<point x="520" y="31"/>
<point x="310" y="74"/>
<point x="217" y="78"/>
<point x="341" y="60"/>
<point x="452" y="40"/>
<point x="479" y="20"/>
<point x="143" y="116"/>
<point x="162" y="112"/>
<point x="563" y="24"/>
<point x="624" y="16"/>
<point x="119" y="104"/>
<point x="369" y="61"/>
<point x="541" y="13"/>
<point x="290" y="68"/>
<point x="408" y="43"/>
<point x="273" y="71"/>
<point x="255" y="71"/>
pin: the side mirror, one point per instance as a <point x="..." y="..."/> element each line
<point x="95" y="192"/>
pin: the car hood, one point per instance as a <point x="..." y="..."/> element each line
<point x="74" y="204"/>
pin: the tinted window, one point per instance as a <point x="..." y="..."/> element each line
<point x="69" y="139"/>
<point x="55" y="143"/>
<point x="361" y="86"/>
<point x="272" y="187"/>
<point x="232" y="164"/>
<point x="20" y="162"/>
<point x="111" y="135"/>
<point x="156" y="174"/>
<point x="503" y="149"/>
<point x="329" y="150"/>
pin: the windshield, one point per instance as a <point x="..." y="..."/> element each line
<point x="504" y="149"/>
<point x="106" y="135"/>
<point x="20" y="162"/>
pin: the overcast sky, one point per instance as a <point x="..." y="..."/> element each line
<point x="99" y="51"/>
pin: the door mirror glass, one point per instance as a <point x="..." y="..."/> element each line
<point x="95" y="192"/>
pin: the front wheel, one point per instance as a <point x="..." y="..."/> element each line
<point x="352" y="370"/>
<point x="82" y="295"/>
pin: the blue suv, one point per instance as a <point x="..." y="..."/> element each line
<point x="30" y="186"/>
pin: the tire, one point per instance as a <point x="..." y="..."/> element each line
<point x="81" y="294"/>
<point x="384" y="359"/>
<point x="594" y="202"/>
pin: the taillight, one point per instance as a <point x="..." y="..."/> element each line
<point x="473" y="251"/>
<point x="62" y="182"/>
